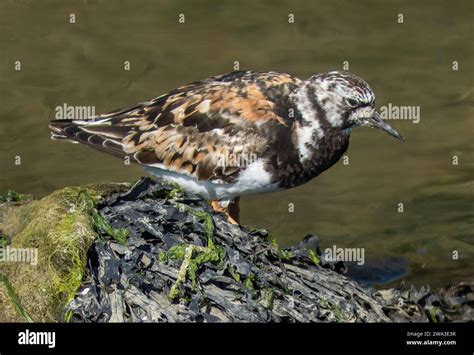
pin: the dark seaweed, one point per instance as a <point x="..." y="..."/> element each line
<point x="235" y="274"/>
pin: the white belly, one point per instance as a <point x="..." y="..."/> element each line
<point x="253" y="180"/>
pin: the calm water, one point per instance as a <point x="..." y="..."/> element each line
<point x="351" y="205"/>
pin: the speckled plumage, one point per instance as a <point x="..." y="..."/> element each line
<point x="288" y="130"/>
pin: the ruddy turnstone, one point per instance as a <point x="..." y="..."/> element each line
<point x="236" y="134"/>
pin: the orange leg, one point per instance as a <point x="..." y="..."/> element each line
<point x="232" y="210"/>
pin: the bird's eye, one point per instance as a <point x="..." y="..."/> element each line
<point x="352" y="102"/>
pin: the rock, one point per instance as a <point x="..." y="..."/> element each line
<point x="151" y="253"/>
<point x="59" y="228"/>
<point x="187" y="264"/>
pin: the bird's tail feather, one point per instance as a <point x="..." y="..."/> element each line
<point x="95" y="134"/>
<point x="63" y="130"/>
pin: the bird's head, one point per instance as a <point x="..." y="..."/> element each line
<point x="342" y="101"/>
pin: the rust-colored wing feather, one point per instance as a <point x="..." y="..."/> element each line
<point x="207" y="129"/>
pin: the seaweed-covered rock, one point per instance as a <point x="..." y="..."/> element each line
<point x="152" y="253"/>
<point x="59" y="230"/>
<point x="182" y="262"/>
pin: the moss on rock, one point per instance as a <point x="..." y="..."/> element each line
<point x="59" y="226"/>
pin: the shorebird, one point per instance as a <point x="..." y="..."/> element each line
<point x="236" y="134"/>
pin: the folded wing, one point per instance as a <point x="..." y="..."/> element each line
<point x="207" y="129"/>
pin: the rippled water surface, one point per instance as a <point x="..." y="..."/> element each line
<point x="354" y="205"/>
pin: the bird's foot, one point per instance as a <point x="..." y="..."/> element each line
<point x="229" y="207"/>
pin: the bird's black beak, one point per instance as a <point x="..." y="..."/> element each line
<point x="377" y="122"/>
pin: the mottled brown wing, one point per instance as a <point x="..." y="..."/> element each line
<point x="210" y="129"/>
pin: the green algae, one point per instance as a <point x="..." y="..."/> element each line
<point x="233" y="272"/>
<point x="284" y="254"/>
<point x="193" y="257"/>
<point x="98" y="221"/>
<point x="13" y="196"/>
<point x="314" y="257"/>
<point x="62" y="232"/>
